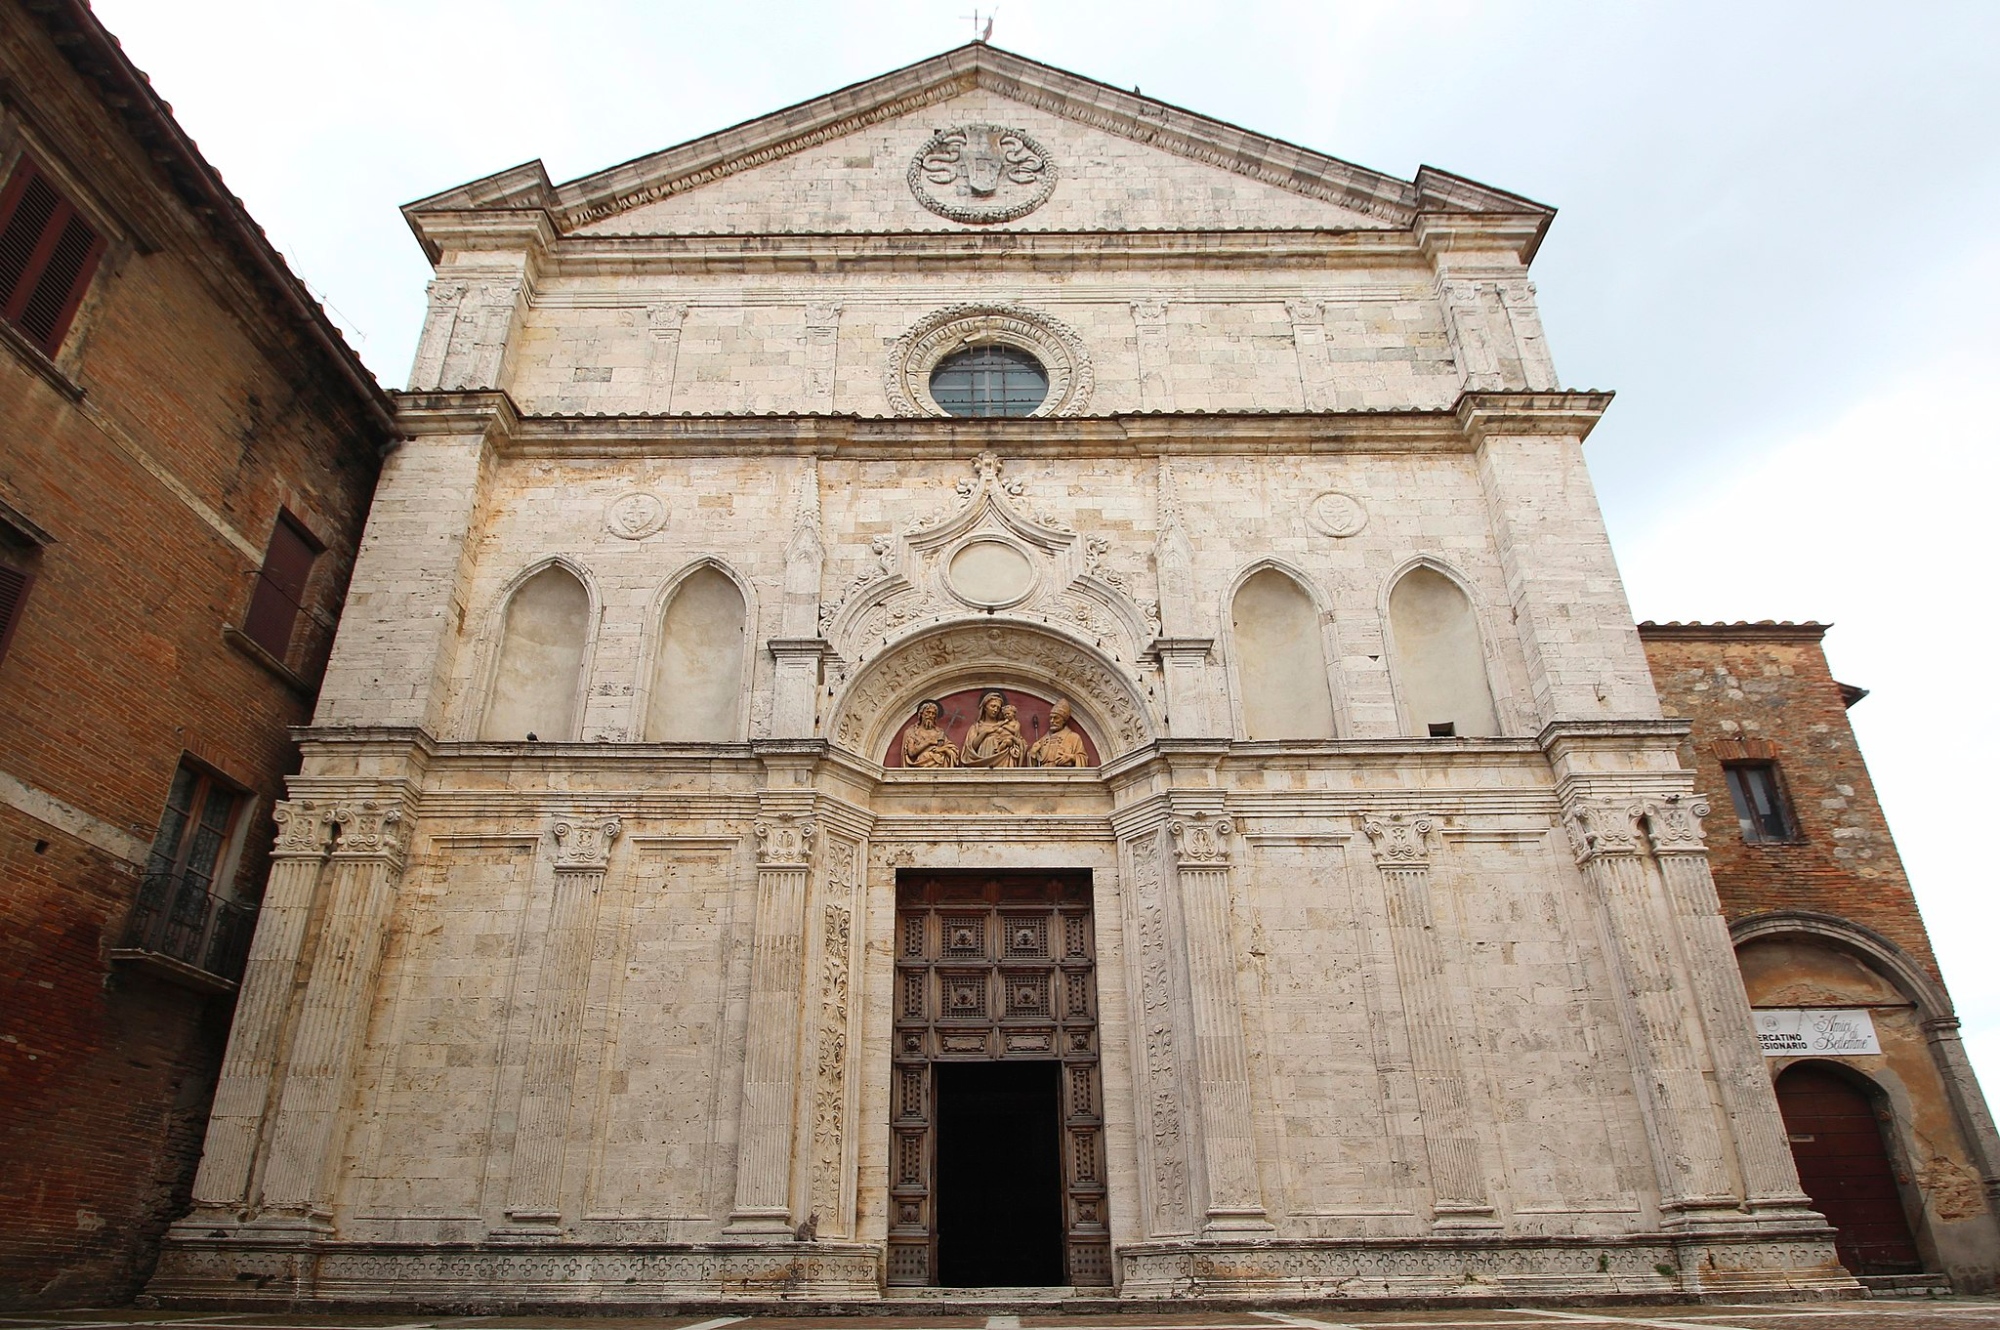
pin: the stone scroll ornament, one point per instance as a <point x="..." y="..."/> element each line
<point x="982" y="174"/>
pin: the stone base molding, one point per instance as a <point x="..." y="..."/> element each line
<point x="1482" y="1268"/>
<point x="515" y="1277"/>
<point x="488" y="1278"/>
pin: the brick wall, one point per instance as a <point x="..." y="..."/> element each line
<point x="181" y="414"/>
<point x="1740" y="682"/>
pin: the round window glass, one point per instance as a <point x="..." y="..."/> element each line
<point x="989" y="381"/>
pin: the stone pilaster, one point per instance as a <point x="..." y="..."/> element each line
<point x="771" y="1052"/>
<point x="367" y="866"/>
<point x="1764" y="1156"/>
<point x="1458" y="1171"/>
<point x="476" y="353"/>
<point x="1309" y="341"/>
<point x="256" y="1036"/>
<point x="1149" y="323"/>
<point x="440" y="322"/>
<point x="1234" y="1201"/>
<point x="1183" y="647"/>
<point x="822" y="347"/>
<point x="663" y="353"/>
<point x="798" y="649"/>
<point x="1471" y="337"/>
<point x="1968" y="1100"/>
<point x="827" y="1199"/>
<point x="534" y="1187"/>
<point x="1688" y="1154"/>
<point x="1161" y="1110"/>
<point x="1538" y="368"/>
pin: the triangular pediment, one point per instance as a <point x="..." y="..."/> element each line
<point x="847" y="162"/>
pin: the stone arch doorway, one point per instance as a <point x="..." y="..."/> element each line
<point x="997" y="1158"/>
<point x="1835" y="1124"/>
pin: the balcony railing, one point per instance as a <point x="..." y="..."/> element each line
<point x="177" y="928"/>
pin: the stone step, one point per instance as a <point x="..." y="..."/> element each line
<point x="1906" y="1286"/>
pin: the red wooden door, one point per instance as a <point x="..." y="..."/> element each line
<point x="1837" y="1142"/>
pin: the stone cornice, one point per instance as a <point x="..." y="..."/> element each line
<point x="1765" y="631"/>
<point x="1474" y="417"/>
<point x="1007" y="251"/>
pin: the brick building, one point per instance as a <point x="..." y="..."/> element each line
<point x="1892" y="1137"/>
<point x="186" y="461"/>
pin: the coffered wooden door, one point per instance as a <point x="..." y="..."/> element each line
<point x="995" y="967"/>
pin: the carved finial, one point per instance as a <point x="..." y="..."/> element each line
<point x="1673" y="824"/>
<point x="371" y="830"/>
<point x="1602" y="826"/>
<point x="583" y="845"/>
<point x="784" y="839"/>
<point x="1400" y="842"/>
<point x="1202" y="839"/>
<point x="304" y="829"/>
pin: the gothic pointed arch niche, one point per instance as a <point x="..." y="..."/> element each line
<point x="1437" y="654"/>
<point x="697" y="672"/>
<point x="1278" y="655"/>
<point x="535" y="684"/>
<point x="989" y="652"/>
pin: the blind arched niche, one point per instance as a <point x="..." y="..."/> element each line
<point x="1440" y="666"/>
<point x="697" y="686"/>
<point x="542" y="639"/>
<point x="1280" y="661"/>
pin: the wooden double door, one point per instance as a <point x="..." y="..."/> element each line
<point x="997" y="1170"/>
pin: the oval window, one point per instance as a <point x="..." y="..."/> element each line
<point x="989" y="381"/>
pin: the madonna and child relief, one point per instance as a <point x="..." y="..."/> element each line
<point x="991" y="728"/>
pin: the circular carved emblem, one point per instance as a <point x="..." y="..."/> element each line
<point x="1336" y="514"/>
<point x="636" y="515"/>
<point x="961" y="327"/>
<point x="982" y="173"/>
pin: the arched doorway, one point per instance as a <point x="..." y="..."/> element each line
<point x="1844" y="1166"/>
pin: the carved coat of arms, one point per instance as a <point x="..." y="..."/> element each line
<point x="982" y="173"/>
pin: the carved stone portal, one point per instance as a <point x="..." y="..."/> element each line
<point x="995" y="967"/>
<point x="991" y="729"/>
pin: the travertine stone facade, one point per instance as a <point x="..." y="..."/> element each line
<point x="587" y="1015"/>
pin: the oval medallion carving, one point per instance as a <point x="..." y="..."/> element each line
<point x="982" y="174"/>
<point x="1336" y="514"/>
<point x="636" y="515"/>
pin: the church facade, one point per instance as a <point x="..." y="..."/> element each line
<point x="984" y="681"/>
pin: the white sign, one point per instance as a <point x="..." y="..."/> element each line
<point x="1790" y="1031"/>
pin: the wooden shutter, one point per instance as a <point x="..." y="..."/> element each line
<point x="47" y="255"/>
<point x="281" y="586"/>
<point x="14" y="584"/>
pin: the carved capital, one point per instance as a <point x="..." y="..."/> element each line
<point x="1202" y="839"/>
<point x="583" y="845"/>
<point x="1602" y="826"/>
<point x="666" y="320"/>
<point x="1673" y="824"/>
<point x="1400" y="842"/>
<point x="784" y="841"/>
<point x="1149" y="311"/>
<point x="1305" y="311"/>
<point x="447" y="293"/>
<point x="305" y="829"/>
<point x="370" y="829"/>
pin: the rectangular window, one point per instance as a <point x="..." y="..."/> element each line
<point x="281" y="586"/>
<point x="1760" y="801"/>
<point x="14" y="584"/>
<point x="47" y="255"/>
<point x="181" y="912"/>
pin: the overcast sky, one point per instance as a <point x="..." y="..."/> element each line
<point x="1776" y="242"/>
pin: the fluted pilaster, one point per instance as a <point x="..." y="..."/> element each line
<point x="1458" y="1172"/>
<point x="1764" y="1155"/>
<point x="256" y="1036"/>
<point x="582" y="850"/>
<point x="770" y="1068"/>
<point x="1688" y="1155"/>
<point x="367" y="864"/>
<point x="1222" y="1071"/>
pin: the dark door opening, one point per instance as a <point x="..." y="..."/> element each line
<point x="1844" y="1167"/>
<point x="999" y="1174"/>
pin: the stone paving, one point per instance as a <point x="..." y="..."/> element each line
<point x="1913" y="1314"/>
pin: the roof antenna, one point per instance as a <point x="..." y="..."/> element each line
<point x="981" y="34"/>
